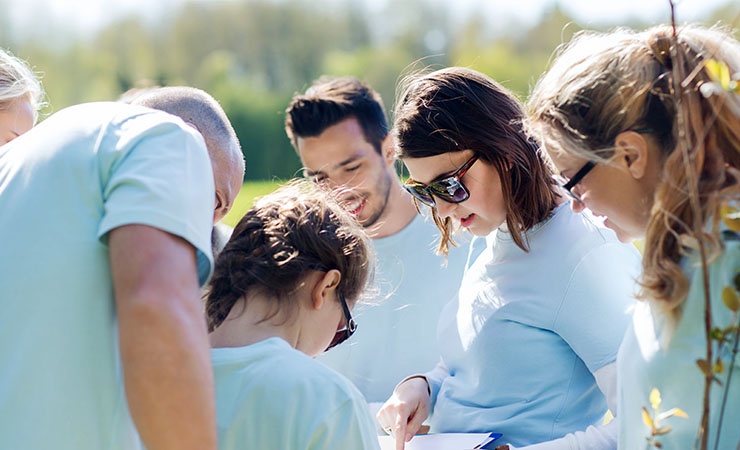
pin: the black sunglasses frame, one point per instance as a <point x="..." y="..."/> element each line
<point x="583" y="171"/>
<point x="425" y="193"/>
<point x="571" y="183"/>
<point x="346" y="331"/>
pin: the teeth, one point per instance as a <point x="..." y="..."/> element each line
<point x="353" y="206"/>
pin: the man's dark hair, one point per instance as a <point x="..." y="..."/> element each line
<point x="331" y="100"/>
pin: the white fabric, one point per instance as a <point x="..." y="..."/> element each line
<point x="63" y="186"/>
<point x="649" y="359"/>
<point x="396" y="334"/>
<point x="271" y="396"/>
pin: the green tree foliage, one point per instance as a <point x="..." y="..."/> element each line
<point x="253" y="55"/>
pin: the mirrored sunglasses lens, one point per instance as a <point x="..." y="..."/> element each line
<point x="450" y="190"/>
<point x="420" y="194"/>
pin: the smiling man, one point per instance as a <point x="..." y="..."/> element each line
<point x="340" y="131"/>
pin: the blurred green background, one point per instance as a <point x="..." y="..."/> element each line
<point x="253" y="55"/>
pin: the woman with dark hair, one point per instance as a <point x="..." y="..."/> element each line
<point x="281" y="293"/>
<point x="528" y="347"/>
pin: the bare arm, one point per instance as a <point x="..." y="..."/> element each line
<point x="163" y="339"/>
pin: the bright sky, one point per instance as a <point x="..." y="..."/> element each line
<point x="82" y="15"/>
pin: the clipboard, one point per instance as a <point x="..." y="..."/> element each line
<point x="444" y="441"/>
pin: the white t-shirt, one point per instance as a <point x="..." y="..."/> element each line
<point x="63" y="186"/>
<point x="650" y="359"/>
<point x="271" y="396"/>
<point x="529" y="329"/>
<point x="413" y="285"/>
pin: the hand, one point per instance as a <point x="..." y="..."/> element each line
<point x="402" y="414"/>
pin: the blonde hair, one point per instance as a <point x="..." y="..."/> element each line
<point x="603" y="84"/>
<point x="18" y="80"/>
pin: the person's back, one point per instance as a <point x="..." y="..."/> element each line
<point x="281" y="293"/>
<point x="64" y="186"/>
<point x="270" y="395"/>
<point x="339" y="130"/>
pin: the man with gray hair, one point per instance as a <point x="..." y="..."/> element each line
<point x="201" y="111"/>
<point x="105" y="236"/>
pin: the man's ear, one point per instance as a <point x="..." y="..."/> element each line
<point x="325" y="288"/>
<point x="631" y="149"/>
<point x="388" y="149"/>
<point x="221" y="208"/>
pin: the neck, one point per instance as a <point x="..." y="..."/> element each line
<point x="399" y="212"/>
<point x="244" y="326"/>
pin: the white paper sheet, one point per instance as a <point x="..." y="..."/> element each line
<point x="441" y="441"/>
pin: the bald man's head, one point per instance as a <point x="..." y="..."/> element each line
<point x="202" y="112"/>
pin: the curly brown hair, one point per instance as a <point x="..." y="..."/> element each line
<point x="296" y="229"/>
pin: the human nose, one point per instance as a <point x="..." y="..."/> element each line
<point x="444" y="209"/>
<point x="577" y="206"/>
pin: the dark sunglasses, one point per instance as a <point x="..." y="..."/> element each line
<point x="346" y="331"/>
<point x="449" y="188"/>
<point x="569" y="183"/>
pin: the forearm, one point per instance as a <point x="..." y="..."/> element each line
<point x="434" y="378"/>
<point x="168" y="376"/>
<point x="602" y="437"/>
<point x="163" y="339"/>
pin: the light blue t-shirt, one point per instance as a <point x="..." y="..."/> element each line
<point x="528" y="330"/>
<point x="63" y="186"/>
<point x="396" y="333"/>
<point x="648" y="359"/>
<point x="272" y="396"/>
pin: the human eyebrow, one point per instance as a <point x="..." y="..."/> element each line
<point x="351" y="160"/>
<point x="308" y="173"/>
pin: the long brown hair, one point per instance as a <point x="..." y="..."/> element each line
<point x="456" y="109"/>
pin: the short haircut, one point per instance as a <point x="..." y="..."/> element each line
<point x="331" y="100"/>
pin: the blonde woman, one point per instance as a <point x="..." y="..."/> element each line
<point x="21" y="97"/>
<point x="644" y="130"/>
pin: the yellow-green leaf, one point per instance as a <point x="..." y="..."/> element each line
<point x="705" y="367"/>
<point x="673" y="412"/>
<point x="731" y="216"/>
<point x="730" y="298"/>
<point x="719" y="366"/>
<point x="646" y="419"/>
<point x="655" y="399"/>
<point x="719" y="73"/>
